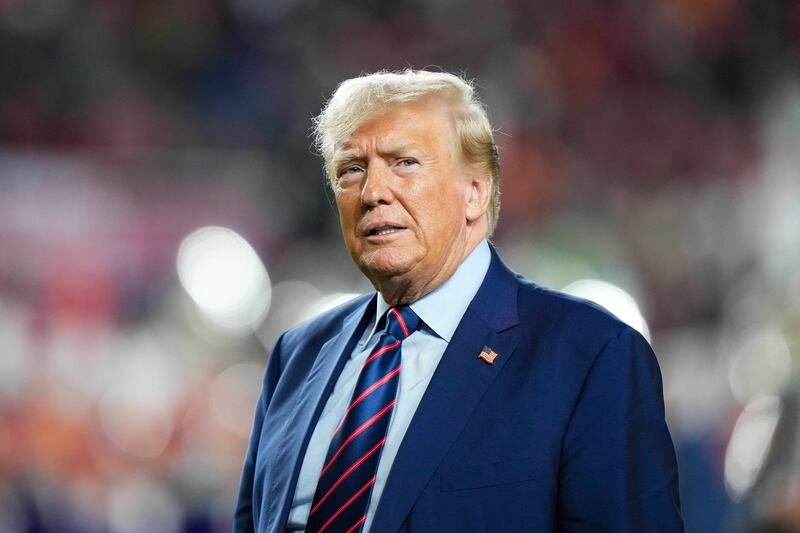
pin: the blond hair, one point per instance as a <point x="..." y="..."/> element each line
<point x="357" y="99"/>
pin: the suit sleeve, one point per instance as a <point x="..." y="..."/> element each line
<point x="243" y="515"/>
<point x="618" y="470"/>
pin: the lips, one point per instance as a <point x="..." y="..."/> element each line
<point x="386" y="230"/>
<point x="382" y="228"/>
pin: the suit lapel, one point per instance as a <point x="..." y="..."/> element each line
<point x="311" y="400"/>
<point x="455" y="390"/>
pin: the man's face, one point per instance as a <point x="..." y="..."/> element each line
<point x="402" y="195"/>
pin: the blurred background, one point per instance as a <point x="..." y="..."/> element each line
<point x="163" y="218"/>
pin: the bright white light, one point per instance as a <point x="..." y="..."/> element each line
<point x="327" y="303"/>
<point x="617" y="301"/>
<point x="761" y="365"/>
<point x="749" y="444"/>
<point x="225" y="278"/>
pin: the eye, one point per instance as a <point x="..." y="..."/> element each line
<point x="349" y="171"/>
<point x="408" y="162"/>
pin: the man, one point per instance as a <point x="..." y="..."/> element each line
<point x="459" y="396"/>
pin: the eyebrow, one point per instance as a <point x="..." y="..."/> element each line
<point x="351" y="154"/>
<point x="346" y="156"/>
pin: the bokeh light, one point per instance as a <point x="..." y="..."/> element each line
<point x="750" y="443"/>
<point x="225" y="278"/>
<point x="232" y="396"/>
<point x="137" y="408"/>
<point x="613" y="298"/>
<point x="760" y="364"/>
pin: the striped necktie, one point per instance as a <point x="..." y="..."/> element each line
<point x="345" y="484"/>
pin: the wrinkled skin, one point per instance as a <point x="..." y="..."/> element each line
<point x="401" y="173"/>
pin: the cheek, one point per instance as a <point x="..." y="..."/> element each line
<point x="447" y="206"/>
<point x="347" y="210"/>
<point x="439" y="224"/>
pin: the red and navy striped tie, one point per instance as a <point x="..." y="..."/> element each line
<point x="345" y="484"/>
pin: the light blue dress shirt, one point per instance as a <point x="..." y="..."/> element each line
<point x="441" y="311"/>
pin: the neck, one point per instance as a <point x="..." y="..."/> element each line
<point x="406" y="289"/>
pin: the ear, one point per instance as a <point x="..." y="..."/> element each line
<point x="479" y="192"/>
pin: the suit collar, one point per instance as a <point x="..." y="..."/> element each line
<point x="496" y="300"/>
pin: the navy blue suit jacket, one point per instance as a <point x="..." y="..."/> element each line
<point x="564" y="432"/>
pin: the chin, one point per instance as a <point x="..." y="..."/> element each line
<point x="384" y="264"/>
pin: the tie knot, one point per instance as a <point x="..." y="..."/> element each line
<point x="402" y="322"/>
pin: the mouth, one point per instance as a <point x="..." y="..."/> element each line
<point x="382" y="231"/>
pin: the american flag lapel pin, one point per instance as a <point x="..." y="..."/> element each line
<point x="488" y="355"/>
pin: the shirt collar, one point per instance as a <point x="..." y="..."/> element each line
<point x="442" y="308"/>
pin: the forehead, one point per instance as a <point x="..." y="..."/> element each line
<point x="422" y="124"/>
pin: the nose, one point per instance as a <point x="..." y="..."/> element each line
<point x="377" y="185"/>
